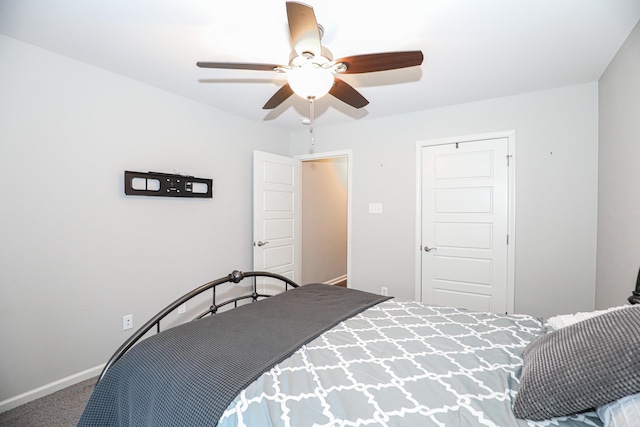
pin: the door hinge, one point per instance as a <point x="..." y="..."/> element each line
<point x="509" y="156"/>
<point x="507" y="239"/>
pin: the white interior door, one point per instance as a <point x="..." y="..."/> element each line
<point x="276" y="215"/>
<point x="465" y="207"/>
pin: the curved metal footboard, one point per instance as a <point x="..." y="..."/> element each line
<point x="235" y="277"/>
<point x="635" y="295"/>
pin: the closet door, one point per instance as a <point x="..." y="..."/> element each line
<point x="465" y="225"/>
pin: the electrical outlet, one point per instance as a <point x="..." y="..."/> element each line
<point x="384" y="291"/>
<point x="182" y="309"/>
<point x="127" y="322"/>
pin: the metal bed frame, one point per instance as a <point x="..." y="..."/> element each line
<point x="235" y="277"/>
<point x="635" y="295"/>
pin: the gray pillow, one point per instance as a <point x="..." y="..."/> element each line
<point x="580" y="367"/>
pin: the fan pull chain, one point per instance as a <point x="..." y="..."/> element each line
<point x="312" y="118"/>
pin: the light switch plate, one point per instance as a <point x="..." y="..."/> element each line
<point x="375" y="208"/>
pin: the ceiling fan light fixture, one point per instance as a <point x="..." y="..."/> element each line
<point x="312" y="72"/>
<point x="310" y="81"/>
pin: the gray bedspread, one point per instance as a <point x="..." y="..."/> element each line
<point x="400" y="363"/>
<point x="188" y="375"/>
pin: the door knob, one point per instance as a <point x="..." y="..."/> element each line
<point x="261" y="243"/>
<point x="428" y="249"/>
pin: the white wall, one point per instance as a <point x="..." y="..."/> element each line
<point x="556" y="190"/>
<point x="619" y="175"/>
<point x="76" y="254"/>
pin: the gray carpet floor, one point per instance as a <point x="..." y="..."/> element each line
<point x="60" y="409"/>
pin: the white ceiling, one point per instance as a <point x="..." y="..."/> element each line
<point x="474" y="49"/>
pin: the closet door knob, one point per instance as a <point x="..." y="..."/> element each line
<point x="428" y="249"/>
<point x="261" y="243"/>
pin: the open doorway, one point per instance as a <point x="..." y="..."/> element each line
<point x="326" y="218"/>
<point x="278" y="217"/>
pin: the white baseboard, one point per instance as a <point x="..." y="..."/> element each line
<point x="14" y="402"/>
<point x="336" y="280"/>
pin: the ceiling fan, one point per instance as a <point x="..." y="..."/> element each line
<point x="312" y="71"/>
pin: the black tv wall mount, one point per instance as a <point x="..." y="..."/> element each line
<point x="166" y="185"/>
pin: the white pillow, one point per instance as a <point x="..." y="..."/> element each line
<point x="558" y="322"/>
<point x="623" y="412"/>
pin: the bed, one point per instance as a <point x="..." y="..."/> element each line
<point x="321" y="355"/>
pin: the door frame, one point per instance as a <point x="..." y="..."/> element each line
<point x="510" y="135"/>
<point x="349" y="155"/>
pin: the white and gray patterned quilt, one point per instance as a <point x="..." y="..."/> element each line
<point x="400" y="363"/>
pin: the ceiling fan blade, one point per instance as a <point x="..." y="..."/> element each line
<point x="305" y="36"/>
<point x="381" y="61"/>
<point x="346" y="93"/>
<point x="279" y="97"/>
<point x="238" y="66"/>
